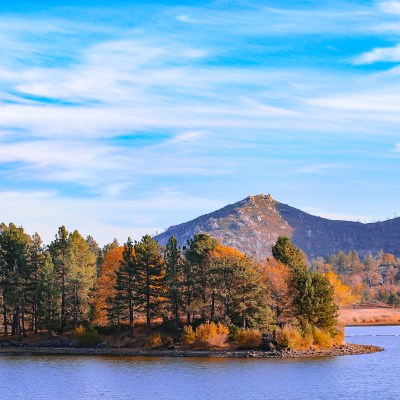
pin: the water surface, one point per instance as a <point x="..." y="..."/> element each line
<point x="369" y="376"/>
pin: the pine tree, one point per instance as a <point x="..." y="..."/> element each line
<point x="174" y="278"/>
<point x="126" y="286"/>
<point x="59" y="252"/>
<point x="150" y="276"/>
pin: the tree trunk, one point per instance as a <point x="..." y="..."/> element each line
<point x="147" y="302"/>
<point x="131" y="321"/>
<point x="62" y="327"/>
<point x="176" y="315"/>
<point x="5" y="321"/>
<point x="212" y="306"/>
<point x="75" y="312"/>
<point x="23" y="319"/>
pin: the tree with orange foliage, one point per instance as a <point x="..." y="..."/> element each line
<point x="343" y="296"/>
<point x="277" y="279"/>
<point x="105" y="285"/>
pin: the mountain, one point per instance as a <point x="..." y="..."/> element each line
<point x="254" y="224"/>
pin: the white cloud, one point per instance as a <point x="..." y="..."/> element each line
<point x="382" y="54"/>
<point x="391" y="7"/>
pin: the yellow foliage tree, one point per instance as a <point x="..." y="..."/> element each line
<point x="343" y="295"/>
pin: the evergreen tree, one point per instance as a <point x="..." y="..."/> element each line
<point x="150" y="267"/>
<point x="196" y="253"/>
<point x="286" y="253"/>
<point x="48" y="295"/>
<point x="126" y="286"/>
<point x="174" y="264"/>
<point x="59" y="252"/>
<point x="80" y="279"/>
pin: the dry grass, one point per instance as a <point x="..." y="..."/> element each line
<point x="370" y="316"/>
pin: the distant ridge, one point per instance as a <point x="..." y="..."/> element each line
<point x="253" y="225"/>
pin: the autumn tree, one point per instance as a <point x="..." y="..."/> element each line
<point x="343" y="296"/>
<point x="277" y="277"/>
<point x="105" y="286"/>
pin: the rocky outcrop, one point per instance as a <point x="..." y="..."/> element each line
<point x="254" y="224"/>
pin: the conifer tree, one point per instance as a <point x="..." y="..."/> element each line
<point x="127" y="283"/>
<point x="150" y="267"/>
<point x="174" y="278"/>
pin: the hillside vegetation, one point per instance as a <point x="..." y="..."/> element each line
<point x="203" y="294"/>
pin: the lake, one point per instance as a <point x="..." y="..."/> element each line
<point x="370" y="376"/>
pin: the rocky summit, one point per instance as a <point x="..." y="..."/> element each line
<point x="254" y="224"/>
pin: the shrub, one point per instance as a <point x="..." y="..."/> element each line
<point x="338" y="339"/>
<point x="291" y="338"/>
<point x="79" y="331"/>
<point x="248" y="338"/>
<point x="211" y="334"/>
<point x="188" y="336"/>
<point x="155" y="341"/>
<point x="322" y="338"/>
<point x="87" y="337"/>
<point x="206" y="334"/>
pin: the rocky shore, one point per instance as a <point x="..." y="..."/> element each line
<point x="343" y="350"/>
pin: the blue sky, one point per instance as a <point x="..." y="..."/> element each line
<point x="120" y="119"/>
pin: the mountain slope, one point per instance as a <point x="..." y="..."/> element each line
<point x="253" y="225"/>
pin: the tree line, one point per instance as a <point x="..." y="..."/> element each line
<point x="72" y="282"/>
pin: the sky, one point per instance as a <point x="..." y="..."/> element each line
<point x="121" y="118"/>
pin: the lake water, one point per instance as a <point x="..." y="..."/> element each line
<point x="370" y="376"/>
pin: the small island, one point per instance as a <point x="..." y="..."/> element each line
<point x="141" y="299"/>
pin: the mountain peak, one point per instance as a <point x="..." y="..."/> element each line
<point x="254" y="224"/>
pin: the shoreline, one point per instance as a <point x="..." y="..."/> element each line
<point x="343" y="350"/>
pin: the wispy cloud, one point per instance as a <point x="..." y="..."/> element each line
<point x="384" y="54"/>
<point x="113" y="111"/>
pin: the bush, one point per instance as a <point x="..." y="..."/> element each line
<point x="211" y="335"/>
<point x="322" y="339"/>
<point x="290" y="337"/>
<point x="159" y="340"/>
<point x="155" y="341"/>
<point x="188" y="336"/>
<point x="87" y="337"/>
<point x="206" y="334"/>
<point x="248" y="338"/>
<point x="338" y="339"/>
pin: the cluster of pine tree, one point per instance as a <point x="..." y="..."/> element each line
<point x="71" y="282"/>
